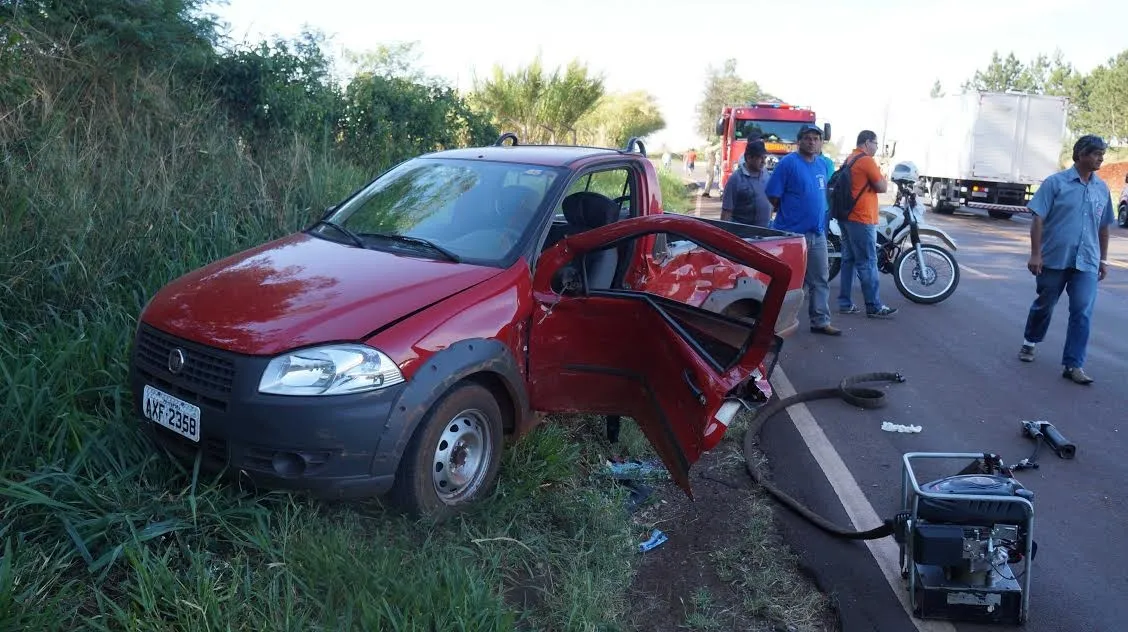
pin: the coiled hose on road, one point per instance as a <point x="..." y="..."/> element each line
<point x="869" y="398"/>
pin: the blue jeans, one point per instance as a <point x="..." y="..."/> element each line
<point x="817" y="281"/>
<point x="1082" y="290"/>
<point x="859" y="256"/>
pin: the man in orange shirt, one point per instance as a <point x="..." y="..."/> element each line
<point x="859" y="231"/>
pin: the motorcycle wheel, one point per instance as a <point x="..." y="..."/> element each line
<point x="927" y="285"/>
<point x="834" y="255"/>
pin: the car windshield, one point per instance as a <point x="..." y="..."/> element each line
<point x="477" y="211"/>
<point x="775" y="131"/>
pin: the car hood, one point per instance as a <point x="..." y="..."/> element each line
<point x="302" y="290"/>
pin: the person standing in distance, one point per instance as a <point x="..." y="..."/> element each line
<point x="1072" y="211"/>
<point x="744" y="198"/>
<point x="859" y="231"/>
<point x="797" y="190"/>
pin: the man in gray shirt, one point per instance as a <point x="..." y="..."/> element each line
<point x="1072" y="211"/>
<point x="744" y="199"/>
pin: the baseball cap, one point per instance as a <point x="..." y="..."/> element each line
<point x="810" y="127"/>
<point x="756" y="148"/>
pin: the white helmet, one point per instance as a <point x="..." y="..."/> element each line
<point x="905" y="173"/>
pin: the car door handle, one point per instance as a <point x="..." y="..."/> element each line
<point x="687" y="375"/>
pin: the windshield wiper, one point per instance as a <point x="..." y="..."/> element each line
<point x="344" y="231"/>
<point x="419" y="241"/>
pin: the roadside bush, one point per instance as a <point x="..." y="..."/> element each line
<point x="113" y="183"/>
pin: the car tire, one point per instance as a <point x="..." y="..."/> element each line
<point x="454" y="454"/>
<point x="1122" y="215"/>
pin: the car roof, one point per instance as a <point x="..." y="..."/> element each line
<point x="543" y="155"/>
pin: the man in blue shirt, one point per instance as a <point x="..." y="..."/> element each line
<point x="797" y="190"/>
<point x="1068" y="251"/>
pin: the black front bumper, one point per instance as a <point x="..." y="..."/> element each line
<point x="328" y="446"/>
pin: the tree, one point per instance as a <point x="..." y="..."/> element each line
<point x="120" y="34"/>
<point x="937" y="90"/>
<point x="1000" y="75"/>
<point x="276" y="89"/>
<point x="389" y="119"/>
<point x="618" y="117"/>
<point x="388" y="60"/>
<point x="1106" y="99"/>
<point x="539" y="105"/>
<point x="724" y="87"/>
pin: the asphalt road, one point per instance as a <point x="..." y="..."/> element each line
<point x="969" y="392"/>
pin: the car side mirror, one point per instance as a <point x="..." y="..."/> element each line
<point x="826" y="131"/>
<point x="720" y="129"/>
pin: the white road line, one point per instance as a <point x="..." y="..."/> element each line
<point x="697" y="206"/>
<point x="977" y="273"/>
<point x="853" y="499"/>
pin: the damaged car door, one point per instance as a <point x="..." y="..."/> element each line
<point x="670" y="366"/>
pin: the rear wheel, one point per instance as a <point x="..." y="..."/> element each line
<point x="1122" y="215"/>
<point x="999" y="214"/>
<point x="453" y="458"/>
<point x="929" y="283"/>
<point x="937" y="205"/>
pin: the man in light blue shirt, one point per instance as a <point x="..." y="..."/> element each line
<point x="1068" y="252"/>
<point x="797" y="190"/>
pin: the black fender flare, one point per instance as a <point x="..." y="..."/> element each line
<point x="437" y="376"/>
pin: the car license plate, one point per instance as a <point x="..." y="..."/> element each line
<point x="175" y="414"/>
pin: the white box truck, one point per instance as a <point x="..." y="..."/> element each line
<point x="984" y="150"/>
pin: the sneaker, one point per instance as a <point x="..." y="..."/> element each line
<point x="1077" y="374"/>
<point x="827" y="330"/>
<point x="1026" y="353"/>
<point x="883" y="312"/>
<point x="853" y="309"/>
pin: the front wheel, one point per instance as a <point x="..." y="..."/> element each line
<point x="834" y="255"/>
<point x="931" y="283"/>
<point x="1122" y="215"/>
<point x="453" y="458"/>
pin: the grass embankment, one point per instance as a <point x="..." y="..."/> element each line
<point x="106" y="202"/>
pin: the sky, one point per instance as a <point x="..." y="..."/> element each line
<point x="846" y="60"/>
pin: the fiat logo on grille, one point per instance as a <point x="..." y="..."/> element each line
<point x="176" y="359"/>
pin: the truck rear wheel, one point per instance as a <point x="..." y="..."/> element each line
<point x="938" y="205"/>
<point x="453" y="458"/>
<point x="999" y="214"/>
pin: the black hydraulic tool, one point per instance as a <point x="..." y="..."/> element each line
<point x="1044" y="431"/>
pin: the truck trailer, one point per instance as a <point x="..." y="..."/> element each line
<point x="985" y="150"/>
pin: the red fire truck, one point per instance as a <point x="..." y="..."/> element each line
<point x="777" y="124"/>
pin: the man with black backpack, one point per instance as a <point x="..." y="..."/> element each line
<point x="852" y="194"/>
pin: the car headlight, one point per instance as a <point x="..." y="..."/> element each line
<point x="329" y="370"/>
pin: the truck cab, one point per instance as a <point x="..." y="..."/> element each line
<point x="445" y="306"/>
<point x="777" y="124"/>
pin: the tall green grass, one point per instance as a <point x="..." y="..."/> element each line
<point x="675" y="196"/>
<point x="108" y="193"/>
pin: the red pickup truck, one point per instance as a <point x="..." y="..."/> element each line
<point x="392" y="346"/>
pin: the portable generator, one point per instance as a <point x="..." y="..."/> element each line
<point x="961" y="539"/>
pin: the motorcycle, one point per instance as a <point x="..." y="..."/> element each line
<point x="929" y="283"/>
